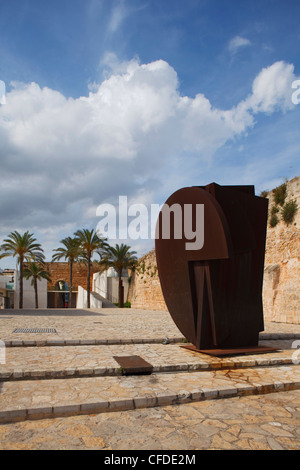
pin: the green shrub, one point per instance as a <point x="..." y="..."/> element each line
<point x="126" y="304"/>
<point x="264" y="193"/>
<point x="280" y="194"/>
<point x="273" y="220"/>
<point x="289" y="211"/>
<point x="274" y="210"/>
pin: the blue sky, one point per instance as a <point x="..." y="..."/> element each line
<point x="61" y="43"/>
<point x="139" y="98"/>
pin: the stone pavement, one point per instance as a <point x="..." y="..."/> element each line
<point x="72" y="372"/>
<point x="101" y="326"/>
<point x="255" y="422"/>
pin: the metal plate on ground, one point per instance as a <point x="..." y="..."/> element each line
<point x="133" y="365"/>
<point x="232" y="351"/>
<point x="34" y="330"/>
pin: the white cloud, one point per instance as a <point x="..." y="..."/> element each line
<point x="60" y="157"/>
<point x="271" y="89"/>
<point x="118" y="15"/>
<point x="237" y="42"/>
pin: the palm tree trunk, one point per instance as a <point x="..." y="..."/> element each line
<point x="121" y="291"/>
<point x="89" y="283"/>
<point x="21" y="284"/>
<point x="36" y="294"/>
<point x="71" y="281"/>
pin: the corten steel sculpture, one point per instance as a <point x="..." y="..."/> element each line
<point x="214" y="294"/>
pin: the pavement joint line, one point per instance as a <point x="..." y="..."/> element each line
<point x="22" y="413"/>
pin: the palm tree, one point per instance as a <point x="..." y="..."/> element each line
<point x="89" y="242"/>
<point x="71" y="251"/>
<point x="119" y="258"/>
<point x="25" y="249"/>
<point x="37" y="272"/>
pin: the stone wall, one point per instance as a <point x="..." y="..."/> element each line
<point x="144" y="290"/>
<point x="60" y="271"/>
<point x="281" y="289"/>
<point x="281" y="293"/>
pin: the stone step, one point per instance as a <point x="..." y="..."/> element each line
<point x="18" y="343"/>
<point x="98" y="361"/>
<point x="40" y="342"/>
<point x="33" y="399"/>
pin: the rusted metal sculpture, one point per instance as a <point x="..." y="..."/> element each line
<point x="214" y="293"/>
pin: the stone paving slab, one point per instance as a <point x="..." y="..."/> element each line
<point x="17" y="343"/>
<point x="253" y="422"/>
<point x="78" y="361"/>
<point x="90" y="324"/>
<point x="88" y="380"/>
<point x="33" y="342"/>
<point x="102" y="326"/>
<point x="52" y="398"/>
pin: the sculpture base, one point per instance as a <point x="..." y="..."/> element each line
<point x="222" y="352"/>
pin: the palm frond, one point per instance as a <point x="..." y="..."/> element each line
<point x="24" y="247"/>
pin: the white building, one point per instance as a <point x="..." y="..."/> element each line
<point x="105" y="290"/>
<point x="9" y="291"/>
<point x="106" y="284"/>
